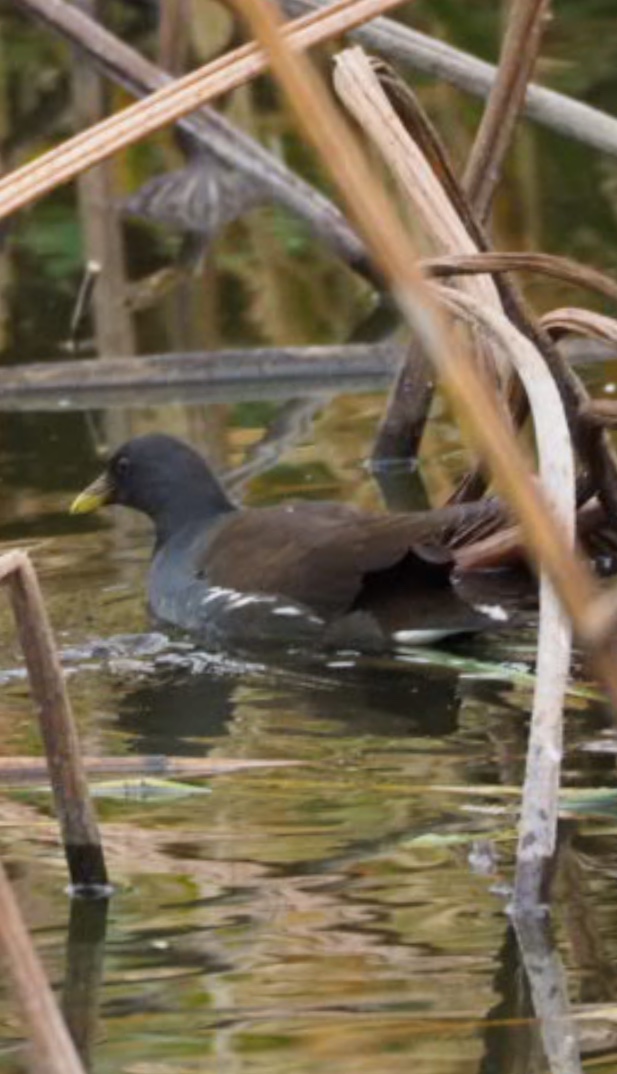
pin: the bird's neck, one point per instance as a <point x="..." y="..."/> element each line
<point x="187" y="512"/>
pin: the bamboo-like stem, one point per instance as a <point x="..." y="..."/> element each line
<point x="80" y="834"/>
<point x="54" y="1050"/>
<point x="168" y="104"/>
<point x="174" y="35"/>
<point x="99" y="216"/>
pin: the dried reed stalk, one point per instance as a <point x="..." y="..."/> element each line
<point x="230" y="148"/>
<point x="410" y="397"/>
<point x="54" y="1051"/>
<point x="373" y="211"/>
<point x="539" y="811"/>
<point x="519" y="51"/>
<point x="168" y="104"/>
<point x="358" y="85"/>
<point x="602" y="412"/>
<point x="596" y="452"/>
<point x="80" y="834"/>
<point x="549" y="992"/>
<point x="581" y="322"/>
<point x="380" y="225"/>
<point x="437" y="59"/>
<point x="559" y="268"/>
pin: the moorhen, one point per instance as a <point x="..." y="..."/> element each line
<point x="301" y="573"/>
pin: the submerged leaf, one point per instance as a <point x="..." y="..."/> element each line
<point x="146" y="788"/>
<point x="447" y="839"/>
<point x="143" y="789"/>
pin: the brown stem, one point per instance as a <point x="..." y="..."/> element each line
<point x="593" y="447"/>
<point x="519" y="52"/>
<point x="82" y="843"/>
<point x="602" y="412"/>
<point x="174" y="31"/>
<point x="402" y="426"/>
<point x="559" y="268"/>
<point x="83" y="974"/>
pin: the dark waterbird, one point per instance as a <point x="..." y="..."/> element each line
<point x="322" y="574"/>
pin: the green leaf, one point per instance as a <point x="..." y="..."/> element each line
<point x="145" y="789"/>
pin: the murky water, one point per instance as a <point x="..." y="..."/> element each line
<point x="346" y="912"/>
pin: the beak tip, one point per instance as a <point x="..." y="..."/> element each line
<point x="84" y="504"/>
<point x="93" y="497"/>
<point x="77" y="507"/>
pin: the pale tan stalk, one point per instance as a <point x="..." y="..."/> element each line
<point x="581" y="322"/>
<point x="359" y="87"/>
<point x="539" y="811"/>
<point x="77" y="154"/>
<point x="560" y="268"/>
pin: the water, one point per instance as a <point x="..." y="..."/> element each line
<point x="346" y="912"/>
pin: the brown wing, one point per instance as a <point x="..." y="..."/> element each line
<point x="320" y="554"/>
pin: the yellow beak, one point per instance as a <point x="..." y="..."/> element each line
<point x="94" y="496"/>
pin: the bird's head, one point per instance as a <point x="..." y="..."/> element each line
<point x="159" y="476"/>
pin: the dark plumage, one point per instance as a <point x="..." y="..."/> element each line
<point x="302" y="572"/>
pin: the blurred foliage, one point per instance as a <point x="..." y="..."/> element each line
<point x="280" y="284"/>
<point x="52" y="238"/>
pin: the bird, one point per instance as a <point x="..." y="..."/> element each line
<point x="300" y="573"/>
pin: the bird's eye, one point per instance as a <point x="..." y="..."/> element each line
<point x="122" y="466"/>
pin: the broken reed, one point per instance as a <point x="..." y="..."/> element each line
<point x="80" y="833"/>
